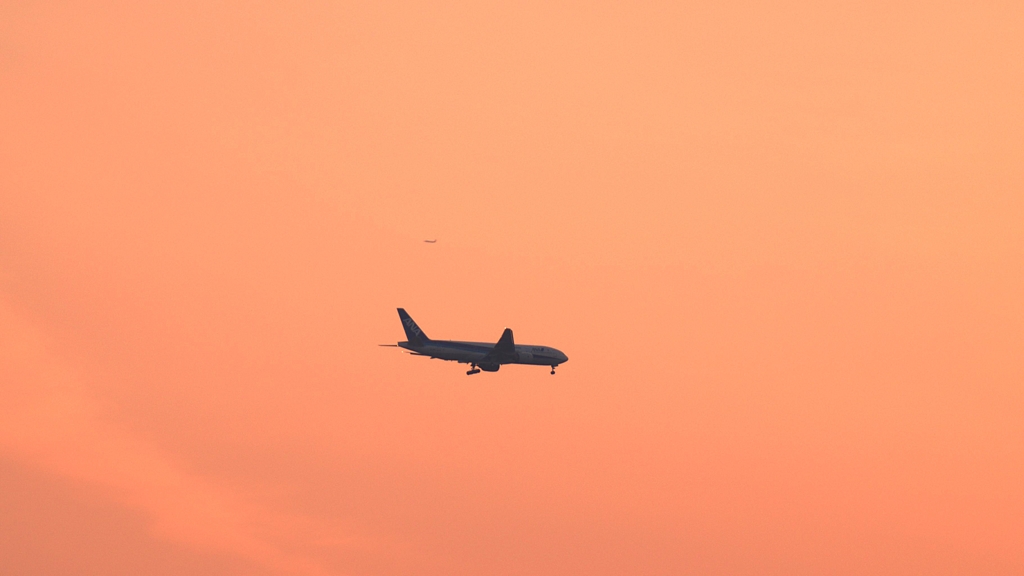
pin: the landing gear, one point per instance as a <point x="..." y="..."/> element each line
<point x="475" y="370"/>
<point x="552" y="370"/>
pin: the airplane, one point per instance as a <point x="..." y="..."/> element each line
<point x="431" y="241"/>
<point x="479" y="355"/>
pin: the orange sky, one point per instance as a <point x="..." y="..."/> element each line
<point x="781" y="243"/>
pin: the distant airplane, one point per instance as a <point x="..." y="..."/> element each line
<point x="489" y="357"/>
<point x="430" y="241"/>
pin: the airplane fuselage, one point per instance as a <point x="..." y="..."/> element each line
<point x="475" y="352"/>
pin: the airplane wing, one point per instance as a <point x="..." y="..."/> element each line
<point x="504" y="351"/>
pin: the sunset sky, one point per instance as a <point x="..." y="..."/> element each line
<point x="782" y="244"/>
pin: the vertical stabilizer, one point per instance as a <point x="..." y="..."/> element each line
<point x="412" y="331"/>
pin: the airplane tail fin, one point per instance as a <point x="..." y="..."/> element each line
<point x="416" y="336"/>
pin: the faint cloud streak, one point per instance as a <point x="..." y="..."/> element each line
<point x="48" y="420"/>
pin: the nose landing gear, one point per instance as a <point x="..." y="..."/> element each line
<point x="553" y="370"/>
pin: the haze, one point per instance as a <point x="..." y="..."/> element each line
<point x="780" y="242"/>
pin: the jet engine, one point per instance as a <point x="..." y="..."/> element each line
<point x="489" y="367"/>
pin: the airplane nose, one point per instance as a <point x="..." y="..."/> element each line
<point x="564" y="357"/>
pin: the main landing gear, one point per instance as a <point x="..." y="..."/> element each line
<point x="475" y="370"/>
